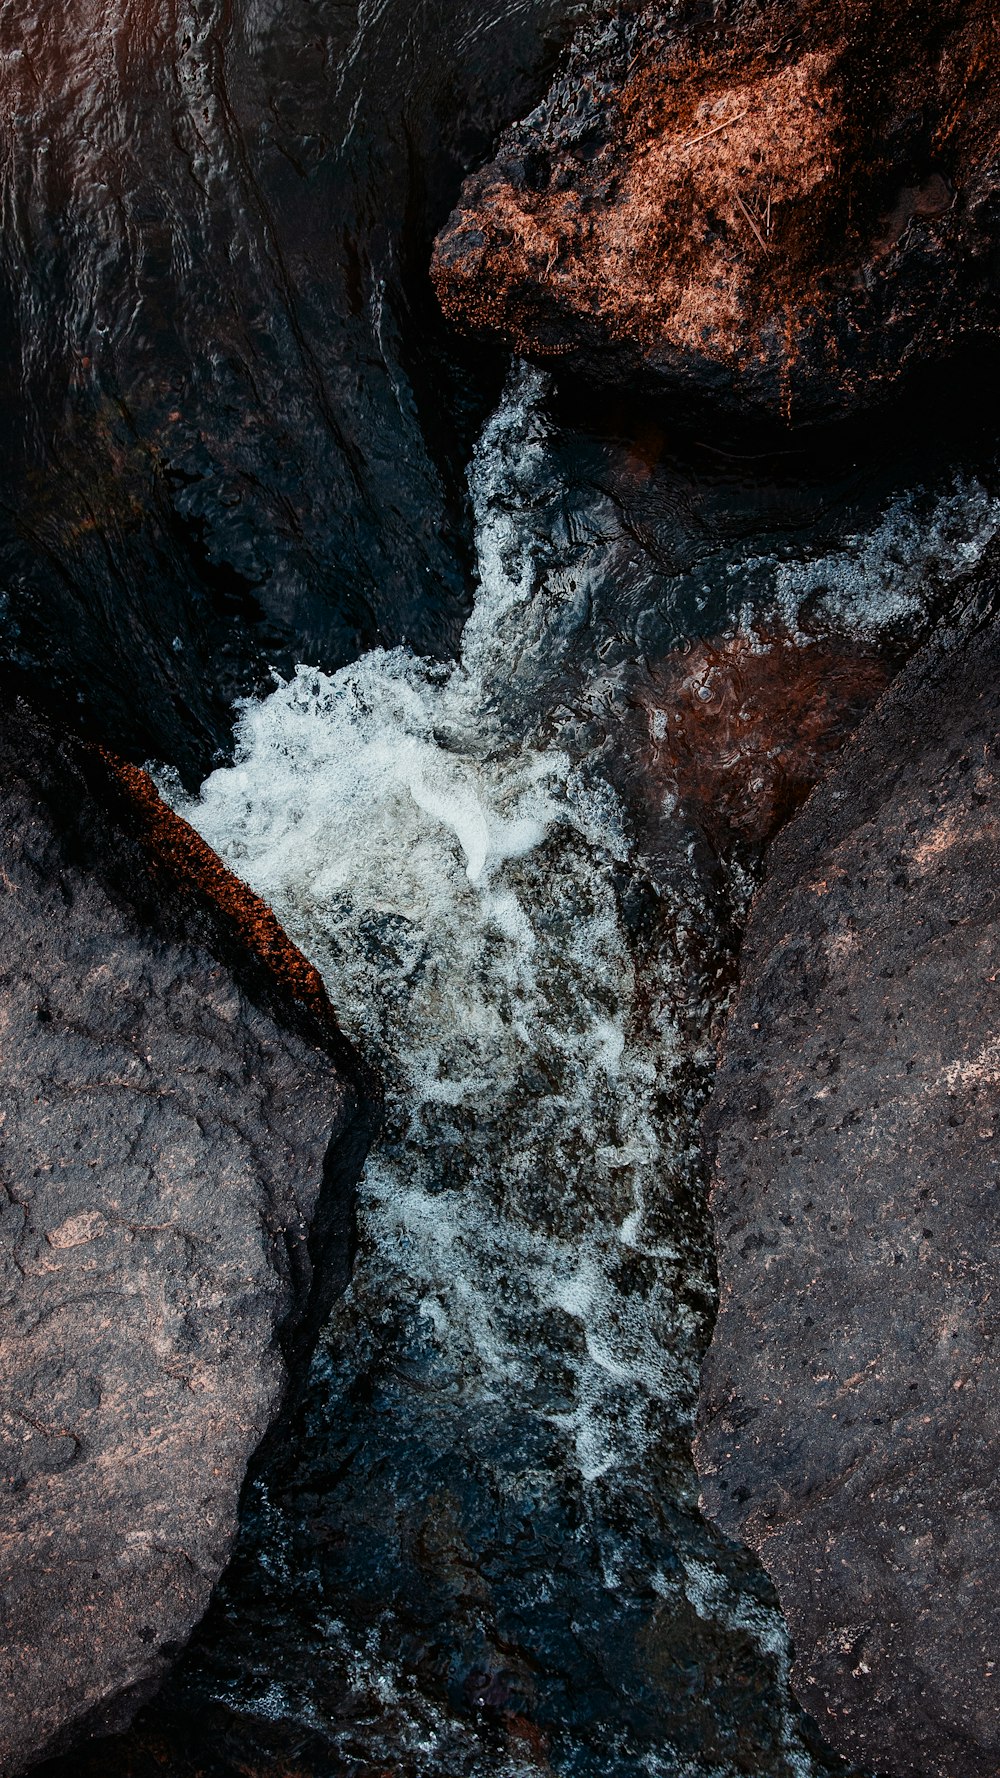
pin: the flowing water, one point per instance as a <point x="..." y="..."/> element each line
<point x="485" y="1554"/>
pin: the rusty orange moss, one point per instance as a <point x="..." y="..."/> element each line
<point x="191" y="862"/>
<point x="741" y="192"/>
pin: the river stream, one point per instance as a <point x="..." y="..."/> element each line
<point x="485" y="1555"/>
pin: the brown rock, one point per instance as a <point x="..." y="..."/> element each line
<point x="180" y="1127"/>
<point x="781" y="204"/>
<point x="850" y="1416"/>
<point x="739" y="729"/>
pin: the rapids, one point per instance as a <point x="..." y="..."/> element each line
<point x="485" y="1555"/>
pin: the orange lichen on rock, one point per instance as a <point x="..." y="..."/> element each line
<point x="783" y="204"/>
<point x="733" y="166"/>
<point x="739" y="730"/>
<point x="704" y="216"/>
<point x="190" y="861"/>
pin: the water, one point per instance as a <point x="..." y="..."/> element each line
<point x="234" y="427"/>
<point x="484" y="1554"/>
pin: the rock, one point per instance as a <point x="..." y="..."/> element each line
<point x="233" y="427"/>
<point x="181" y="1128"/>
<point x="740" y="728"/>
<point x="850" y="1412"/>
<point x="780" y="205"/>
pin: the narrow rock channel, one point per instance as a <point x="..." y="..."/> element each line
<point x="496" y="1453"/>
<point x="490" y="680"/>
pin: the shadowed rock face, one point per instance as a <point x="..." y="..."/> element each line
<point x="850" y="1416"/>
<point x="181" y="1126"/>
<point x="785" y="205"/>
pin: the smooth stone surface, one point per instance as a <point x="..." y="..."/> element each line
<point x="233" y="430"/>
<point x="778" y="205"/>
<point x="850" y="1413"/>
<point x="740" y="728"/>
<point x="180" y="1128"/>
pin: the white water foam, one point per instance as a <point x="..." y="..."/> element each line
<point x="888" y="577"/>
<point x="458" y="894"/>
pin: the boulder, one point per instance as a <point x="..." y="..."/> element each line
<point x="181" y="1125"/>
<point x="850" y="1410"/>
<point x="781" y="205"/>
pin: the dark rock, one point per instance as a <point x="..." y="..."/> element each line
<point x="850" y="1417"/>
<point x="180" y="1131"/>
<point x="233" y="429"/>
<point x="781" y="205"/>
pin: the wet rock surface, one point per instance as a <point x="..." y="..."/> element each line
<point x="782" y="206"/>
<point x="236" y="433"/>
<point x="181" y="1129"/>
<point x="850" y="1406"/>
<point x="740" y="728"/>
<point x="221" y="439"/>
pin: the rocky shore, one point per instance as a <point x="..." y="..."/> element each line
<point x="532" y="682"/>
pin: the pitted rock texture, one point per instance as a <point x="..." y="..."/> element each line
<point x="780" y="205"/>
<point x="180" y="1128"/>
<point x="850" y="1413"/>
